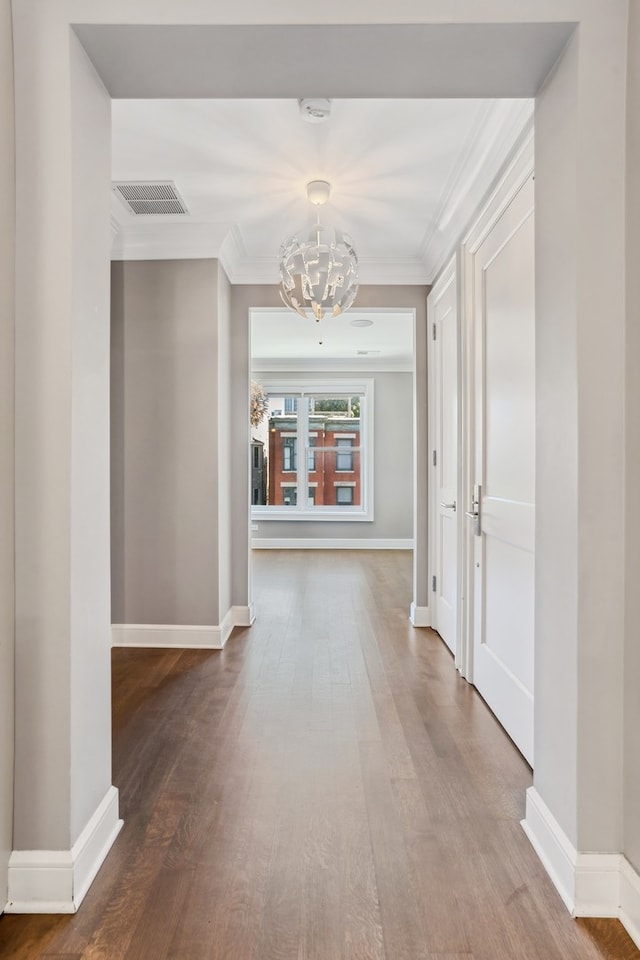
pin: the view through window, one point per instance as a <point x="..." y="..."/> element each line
<point x="310" y="453"/>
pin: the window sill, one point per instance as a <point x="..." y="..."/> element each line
<point x="342" y="514"/>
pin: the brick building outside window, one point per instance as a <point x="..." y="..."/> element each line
<point x="333" y="461"/>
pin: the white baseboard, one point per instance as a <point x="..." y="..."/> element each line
<point x="181" y="636"/>
<point x="629" y="914"/>
<point x="331" y="543"/>
<point x="56" y="881"/>
<point x="557" y="853"/>
<point x="419" y="616"/>
<point x="590" y="884"/>
<point x="243" y="616"/>
<point x="226" y="627"/>
<point x="597" y="885"/>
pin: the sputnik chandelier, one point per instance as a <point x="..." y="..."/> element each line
<point x="319" y="276"/>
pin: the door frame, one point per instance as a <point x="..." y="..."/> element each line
<point x="450" y="274"/>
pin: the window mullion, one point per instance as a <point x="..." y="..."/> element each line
<point x="302" y="442"/>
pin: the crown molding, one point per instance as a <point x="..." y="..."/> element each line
<point x="348" y="364"/>
<point x="182" y="241"/>
<point x="257" y="270"/>
<point x="393" y="271"/>
<point x="388" y="271"/>
<point x="500" y="129"/>
<point x="168" y="240"/>
<point x="233" y="253"/>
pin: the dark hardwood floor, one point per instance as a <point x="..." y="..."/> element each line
<point x="325" y="787"/>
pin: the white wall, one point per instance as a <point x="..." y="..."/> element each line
<point x="90" y="534"/>
<point x="631" y="844"/>
<point x="556" y="611"/>
<point x="63" y="728"/>
<point x="228" y="420"/>
<point x="239" y="304"/>
<point x="7" y="219"/>
<point x="393" y="465"/>
<point x="580" y="216"/>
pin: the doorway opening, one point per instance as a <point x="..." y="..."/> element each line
<point x="339" y="424"/>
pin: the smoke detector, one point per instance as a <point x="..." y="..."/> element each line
<point x="315" y="110"/>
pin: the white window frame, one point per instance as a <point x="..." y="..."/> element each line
<point x="324" y="388"/>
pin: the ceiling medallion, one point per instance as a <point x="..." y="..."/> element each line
<point x="319" y="276"/>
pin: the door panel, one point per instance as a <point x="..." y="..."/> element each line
<point x="443" y="316"/>
<point x="504" y="458"/>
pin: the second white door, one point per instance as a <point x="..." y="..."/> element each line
<point x="443" y="375"/>
<point x="503" y="467"/>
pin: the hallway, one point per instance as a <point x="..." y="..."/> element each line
<point x="325" y="787"/>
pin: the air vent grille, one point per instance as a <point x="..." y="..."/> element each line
<point x="151" y="198"/>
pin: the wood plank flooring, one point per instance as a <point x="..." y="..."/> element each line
<point x="325" y="788"/>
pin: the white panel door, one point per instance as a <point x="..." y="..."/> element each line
<point x="504" y="468"/>
<point x="443" y="316"/>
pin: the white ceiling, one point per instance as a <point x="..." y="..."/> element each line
<point x="214" y="109"/>
<point x="281" y="340"/>
<point x="405" y="176"/>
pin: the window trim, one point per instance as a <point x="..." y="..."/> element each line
<point x="321" y="387"/>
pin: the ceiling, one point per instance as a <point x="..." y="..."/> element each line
<point x="281" y="340"/>
<point x="411" y="148"/>
<point x="331" y="59"/>
<point x="405" y="175"/>
<point x="418" y="132"/>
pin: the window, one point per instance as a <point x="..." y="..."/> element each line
<point x="344" y="496"/>
<point x="330" y="423"/>
<point x="289" y="454"/>
<point x="289" y="496"/>
<point x="311" y="455"/>
<point x="344" y="454"/>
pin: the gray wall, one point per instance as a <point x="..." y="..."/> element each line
<point x="631" y="839"/>
<point x="166" y="481"/>
<point x="393" y="464"/>
<point x="7" y="219"/>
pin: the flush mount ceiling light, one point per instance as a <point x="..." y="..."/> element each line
<point x="319" y="275"/>
<point x="361" y="322"/>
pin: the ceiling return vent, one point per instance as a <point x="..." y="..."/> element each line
<point x="151" y="197"/>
